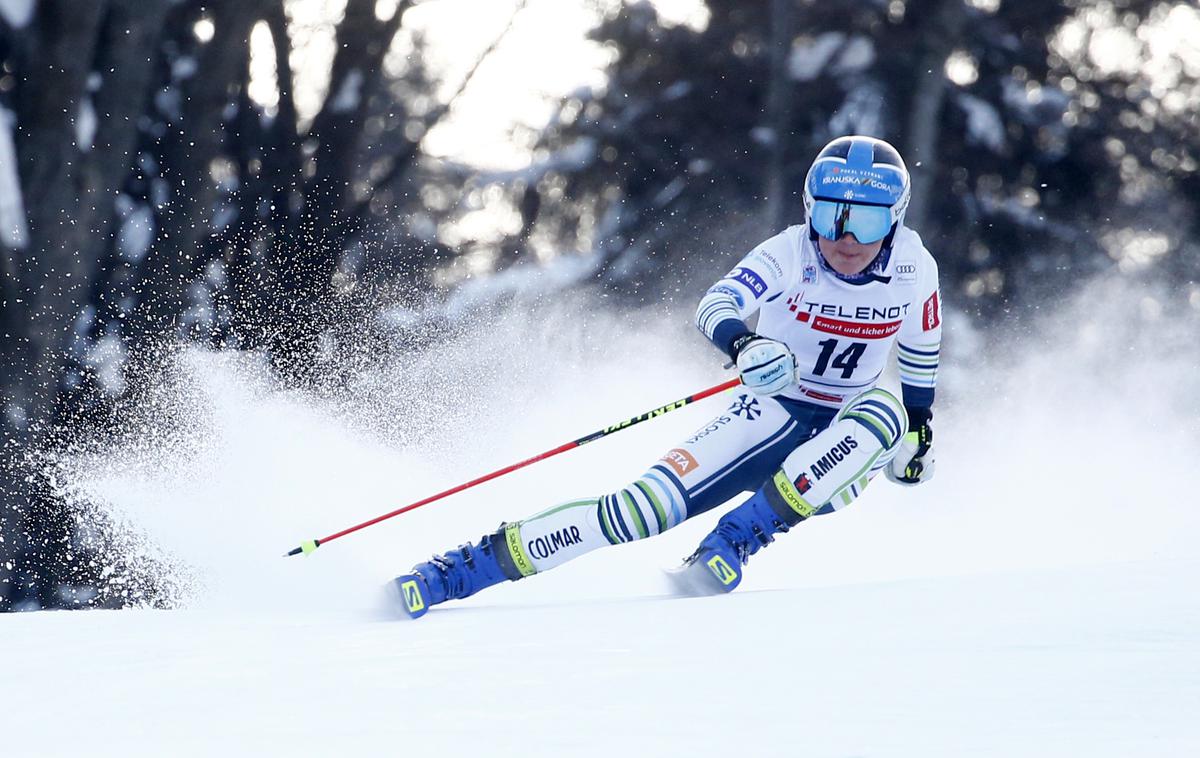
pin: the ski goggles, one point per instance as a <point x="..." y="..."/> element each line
<point x="832" y="219"/>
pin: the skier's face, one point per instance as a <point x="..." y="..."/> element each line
<point x="847" y="255"/>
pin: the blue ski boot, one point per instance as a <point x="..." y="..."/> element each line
<point x="456" y="574"/>
<point x="716" y="566"/>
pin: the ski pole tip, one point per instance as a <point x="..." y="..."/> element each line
<point x="306" y="547"/>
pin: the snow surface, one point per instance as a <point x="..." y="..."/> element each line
<point x="1035" y="599"/>
<point x="1099" y="661"/>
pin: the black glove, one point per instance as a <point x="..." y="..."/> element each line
<point x="914" y="461"/>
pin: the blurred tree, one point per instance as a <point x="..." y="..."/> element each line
<point x="780" y="103"/>
<point x="149" y="194"/>
<point x="1032" y="155"/>
<point x="154" y="184"/>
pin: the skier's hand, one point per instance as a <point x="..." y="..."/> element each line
<point x="914" y="461"/>
<point x="767" y="366"/>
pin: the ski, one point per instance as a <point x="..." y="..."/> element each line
<point x="408" y="596"/>
<point x="704" y="574"/>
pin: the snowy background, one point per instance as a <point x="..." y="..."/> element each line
<point x="271" y="268"/>
<point x="1033" y="599"/>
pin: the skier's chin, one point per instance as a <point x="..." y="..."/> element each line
<point x="849" y="264"/>
<point x="848" y="256"/>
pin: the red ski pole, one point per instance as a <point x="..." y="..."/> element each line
<point x="310" y="545"/>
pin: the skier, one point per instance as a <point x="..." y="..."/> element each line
<point x="809" y="431"/>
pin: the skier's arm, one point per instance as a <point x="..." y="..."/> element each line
<point x="919" y="347"/>
<point x="918" y="350"/>
<point x="759" y="277"/>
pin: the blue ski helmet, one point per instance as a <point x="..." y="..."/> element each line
<point x="857" y="185"/>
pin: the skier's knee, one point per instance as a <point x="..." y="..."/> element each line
<point x="833" y="468"/>
<point x="882" y="414"/>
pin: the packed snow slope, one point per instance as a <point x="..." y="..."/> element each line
<point x="1037" y="598"/>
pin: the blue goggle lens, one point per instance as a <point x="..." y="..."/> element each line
<point x="868" y="223"/>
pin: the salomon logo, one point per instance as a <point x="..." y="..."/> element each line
<point x="412" y="596"/>
<point x="721" y="570"/>
<point x="791" y="494"/>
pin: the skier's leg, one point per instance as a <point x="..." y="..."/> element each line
<point x="742" y="445"/>
<point x="731" y="454"/>
<point x="824" y="474"/>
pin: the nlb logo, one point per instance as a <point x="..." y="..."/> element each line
<point x="412" y="596"/>
<point x="722" y="570"/>
<point x="750" y="279"/>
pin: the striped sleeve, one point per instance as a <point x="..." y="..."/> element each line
<point x="719" y="318"/>
<point x="919" y="342"/>
<point x="918" y="373"/>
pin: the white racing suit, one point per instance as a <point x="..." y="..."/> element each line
<point x="815" y="446"/>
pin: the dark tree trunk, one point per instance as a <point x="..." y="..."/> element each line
<point x="55" y="279"/>
<point x="191" y="146"/>
<point x="780" y="92"/>
<point x="56" y="56"/>
<point x="303" y="264"/>
<point x="940" y="29"/>
<point x="171" y="113"/>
